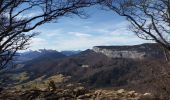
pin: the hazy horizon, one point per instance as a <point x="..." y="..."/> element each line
<point x="27" y="50"/>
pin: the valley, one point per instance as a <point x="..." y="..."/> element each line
<point x="141" y="68"/>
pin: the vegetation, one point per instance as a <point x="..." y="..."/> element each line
<point x="51" y="85"/>
<point x="17" y="20"/>
<point x="40" y="83"/>
<point x="150" y="19"/>
<point x="20" y="77"/>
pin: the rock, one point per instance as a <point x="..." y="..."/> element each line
<point x="29" y="95"/>
<point x="147" y="96"/>
<point x="68" y="91"/>
<point x="84" y="96"/>
<point x="43" y="89"/>
<point x="70" y="85"/>
<point x="79" y="91"/>
<point x="120" y="91"/>
<point x="50" y="96"/>
<point x="136" y="94"/>
<point x="132" y="52"/>
<point x="98" y="92"/>
<point x="115" y="98"/>
<point x="119" y="53"/>
<point x="132" y="94"/>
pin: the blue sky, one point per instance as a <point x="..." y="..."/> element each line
<point x="73" y="33"/>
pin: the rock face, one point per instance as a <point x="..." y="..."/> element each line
<point x="143" y="51"/>
<point x="76" y="93"/>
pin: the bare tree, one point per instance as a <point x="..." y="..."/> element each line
<point x="19" y="17"/>
<point x="150" y="19"/>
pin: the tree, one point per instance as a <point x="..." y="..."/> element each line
<point x="19" y="17"/>
<point x="150" y="19"/>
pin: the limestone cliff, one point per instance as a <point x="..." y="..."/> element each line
<point x="148" y="50"/>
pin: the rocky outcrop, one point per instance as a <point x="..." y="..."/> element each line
<point x="134" y="52"/>
<point x="120" y="54"/>
<point x="76" y="93"/>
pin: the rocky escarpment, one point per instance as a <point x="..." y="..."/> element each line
<point x="148" y="50"/>
<point x="76" y="93"/>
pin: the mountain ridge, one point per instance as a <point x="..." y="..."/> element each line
<point x="96" y="69"/>
<point x="142" y="51"/>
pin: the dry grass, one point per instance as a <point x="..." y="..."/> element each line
<point x="41" y="83"/>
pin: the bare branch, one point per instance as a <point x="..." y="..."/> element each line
<point x="14" y="29"/>
<point x="150" y="19"/>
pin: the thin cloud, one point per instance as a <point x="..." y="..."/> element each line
<point x="79" y="34"/>
<point x="37" y="43"/>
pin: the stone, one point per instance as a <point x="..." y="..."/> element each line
<point x="79" y="91"/>
<point x="85" y="66"/>
<point x="29" y="95"/>
<point x="43" y="89"/>
<point x="136" y="94"/>
<point x="120" y="91"/>
<point x="84" y="96"/>
<point x="131" y="93"/>
<point x="98" y="92"/>
<point x="133" y="54"/>
<point x="147" y="96"/>
<point x="69" y="85"/>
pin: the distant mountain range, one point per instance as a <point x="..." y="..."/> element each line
<point x="43" y="54"/>
<point x="70" y="53"/>
<point x="142" y="51"/>
<point x="137" y="67"/>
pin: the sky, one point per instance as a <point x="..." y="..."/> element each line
<point x="73" y="33"/>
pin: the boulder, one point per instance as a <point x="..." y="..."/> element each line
<point x="147" y="96"/>
<point x="70" y="85"/>
<point x="120" y="92"/>
<point x="98" y="92"/>
<point x="132" y="94"/>
<point x="79" y="91"/>
<point x="85" y="96"/>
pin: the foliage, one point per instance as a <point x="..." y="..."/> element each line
<point x="52" y="86"/>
